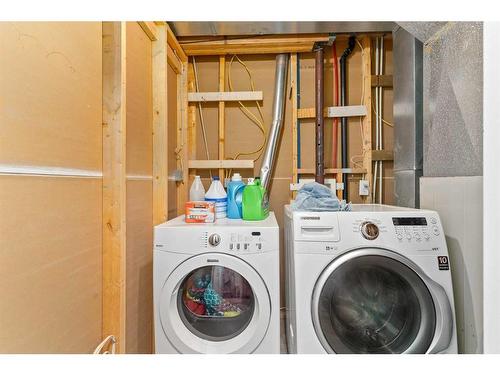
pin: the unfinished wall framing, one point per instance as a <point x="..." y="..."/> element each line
<point x="225" y="124"/>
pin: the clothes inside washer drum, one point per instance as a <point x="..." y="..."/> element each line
<point x="372" y="304"/>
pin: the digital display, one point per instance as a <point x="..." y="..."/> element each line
<point x="409" y="221"/>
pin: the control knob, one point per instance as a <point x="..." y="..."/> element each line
<point x="214" y="239"/>
<point x="369" y="230"/>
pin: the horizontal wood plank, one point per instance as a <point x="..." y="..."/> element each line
<point x="330" y="112"/>
<point x="382" y="155"/>
<point x="333" y="170"/>
<point x="252" y="45"/>
<point x="230" y="96"/>
<point x="381" y="80"/>
<point x="216" y="164"/>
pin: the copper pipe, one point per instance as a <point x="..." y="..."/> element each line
<point x="320" y="126"/>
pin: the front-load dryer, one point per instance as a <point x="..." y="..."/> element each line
<point x="373" y="280"/>
<point x="216" y="287"/>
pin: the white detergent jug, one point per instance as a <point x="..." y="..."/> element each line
<point x="217" y="194"/>
<point x="197" y="191"/>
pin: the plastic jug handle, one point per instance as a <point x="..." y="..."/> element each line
<point x="238" y="198"/>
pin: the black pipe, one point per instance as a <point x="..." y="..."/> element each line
<point x="320" y="126"/>
<point x="343" y="102"/>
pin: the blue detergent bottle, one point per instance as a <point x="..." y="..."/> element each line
<point x="234" y="194"/>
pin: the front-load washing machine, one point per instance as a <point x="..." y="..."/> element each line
<point x="373" y="280"/>
<point x="216" y="286"/>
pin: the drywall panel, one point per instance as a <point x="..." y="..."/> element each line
<point x="50" y="264"/>
<point x="139" y="266"/>
<point x="459" y="202"/>
<point x="139" y="102"/>
<point x="139" y="311"/>
<point x="50" y="85"/>
<point x="172" y="139"/>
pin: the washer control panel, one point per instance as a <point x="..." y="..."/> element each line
<point x="418" y="229"/>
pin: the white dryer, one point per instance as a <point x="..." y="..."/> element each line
<point x="374" y="280"/>
<point x="216" y="287"/>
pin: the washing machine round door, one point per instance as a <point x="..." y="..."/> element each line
<point x="376" y="301"/>
<point x="215" y="303"/>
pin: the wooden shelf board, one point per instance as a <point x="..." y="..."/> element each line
<point x="221" y="96"/>
<point x="330" y="112"/>
<point x="333" y="170"/>
<point x="216" y="164"/>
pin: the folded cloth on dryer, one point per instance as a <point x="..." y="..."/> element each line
<point x="317" y="197"/>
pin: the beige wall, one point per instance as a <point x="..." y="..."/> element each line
<point x="50" y="225"/>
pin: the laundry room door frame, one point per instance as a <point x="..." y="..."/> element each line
<point x="165" y="51"/>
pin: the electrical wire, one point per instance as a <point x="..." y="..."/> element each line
<point x="252" y="117"/>
<point x="203" y="129"/>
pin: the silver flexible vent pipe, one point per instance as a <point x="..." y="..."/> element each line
<point x="280" y="78"/>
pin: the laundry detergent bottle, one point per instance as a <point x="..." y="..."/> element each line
<point x="217" y="194"/>
<point x="254" y="202"/>
<point x="234" y="196"/>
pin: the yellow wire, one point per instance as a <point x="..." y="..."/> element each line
<point x="258" y="122"/>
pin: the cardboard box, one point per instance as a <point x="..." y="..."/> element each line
<point x="200" y="212"/>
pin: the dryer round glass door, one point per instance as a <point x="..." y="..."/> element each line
<point x="215" y="303"/>
<point x="370" y="303"/>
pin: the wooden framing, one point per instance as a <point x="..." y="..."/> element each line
<point x="312" y="171"/>
<point x="295" y="123"/>
<point x="173" y="60"/>
<point x="367" y="120"/>
<point x="252" y="45"/>
<point x="176" y="47"/>
<point x="150" y="29"/>
<point x="114" y="181"/>
<point x="221" y="96"/>
<point x="160" y="131"/>
<point x="221" y="164"/>
<point x="330" y="112"/>
<point x="381" y="80"/>
<point x="183" y="142"/>
<point x="222" y="115"/>
<point x="382" y="155"/>
<point x="191" y="145"/>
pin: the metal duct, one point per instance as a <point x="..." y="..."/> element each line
<point x="280" y="77"/>
<point x="408" y="113"/>
<point x="320" y="124"/>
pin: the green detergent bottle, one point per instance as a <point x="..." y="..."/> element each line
<point x="254" y="201"/>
